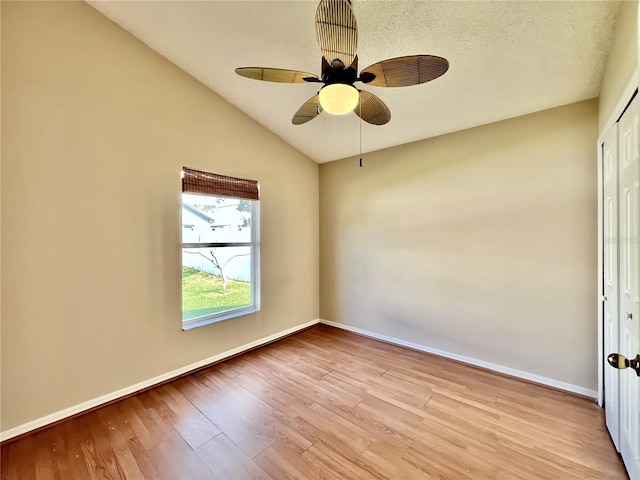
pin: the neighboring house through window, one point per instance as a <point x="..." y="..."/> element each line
<point x="220" y="247"/>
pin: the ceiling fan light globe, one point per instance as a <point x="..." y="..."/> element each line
<point x="339" y="98"/>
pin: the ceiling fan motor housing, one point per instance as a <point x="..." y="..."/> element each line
<point x="339" y="74"/>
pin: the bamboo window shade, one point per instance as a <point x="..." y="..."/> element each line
<point x="205" y="183"/>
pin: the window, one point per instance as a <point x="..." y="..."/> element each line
<point x="220" y="247"/>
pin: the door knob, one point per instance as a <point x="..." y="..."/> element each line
<point x="619" y="361"/>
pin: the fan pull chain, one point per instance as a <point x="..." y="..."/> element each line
<point x="360" y="105"/>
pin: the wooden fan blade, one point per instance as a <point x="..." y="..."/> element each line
<point x="308" y="111"/>
<point x="276" y="75"/>
<point x="336" y="30"/>
<point x="406" y="71"/>
<point x="372" y="110"/>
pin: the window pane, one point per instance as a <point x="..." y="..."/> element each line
<point x="208" y="219"/>
<point x="215" y="280"/>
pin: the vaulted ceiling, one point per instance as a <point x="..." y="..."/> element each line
<point x="507" y="59"/>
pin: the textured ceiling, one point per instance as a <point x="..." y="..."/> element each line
<point x="507" y="59"/>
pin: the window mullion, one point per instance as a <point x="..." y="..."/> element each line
<point x="217" y="245"/>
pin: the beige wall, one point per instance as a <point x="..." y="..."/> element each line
<point x="480" y="243"/>
<point x="96" y="127"/>
<point x="622" y="59"/>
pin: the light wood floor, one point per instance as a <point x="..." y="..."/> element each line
<point x="327" y="404"/>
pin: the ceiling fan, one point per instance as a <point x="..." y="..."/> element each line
<point x="337" y="35"/>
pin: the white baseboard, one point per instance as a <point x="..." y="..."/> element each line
<point x="550" y="382"/>
<point x="96" y="402"/>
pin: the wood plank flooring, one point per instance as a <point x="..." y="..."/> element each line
<point x="328" y="404"/>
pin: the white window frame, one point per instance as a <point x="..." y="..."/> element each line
<point x="255" y="273"/>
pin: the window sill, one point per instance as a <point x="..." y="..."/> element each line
<point x="195" y="323"/>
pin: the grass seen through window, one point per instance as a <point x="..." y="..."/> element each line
<point x="202" y="294"/>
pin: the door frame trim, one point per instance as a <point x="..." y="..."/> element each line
<point x="621" y="105"/>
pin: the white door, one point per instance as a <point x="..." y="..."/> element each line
<point x="629" y="294"/>
<point x="610" y="278"/>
